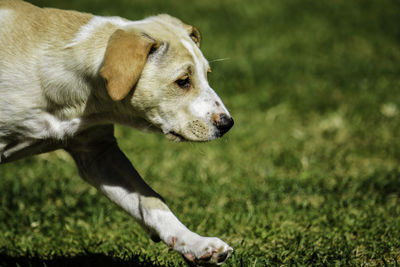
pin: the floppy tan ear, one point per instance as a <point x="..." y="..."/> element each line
<point x="124" y="60"/>
<point x="194" y="33"/>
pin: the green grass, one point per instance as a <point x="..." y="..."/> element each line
<point x="308" y="176"/>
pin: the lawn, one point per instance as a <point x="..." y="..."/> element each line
<point x="308" y="176"/>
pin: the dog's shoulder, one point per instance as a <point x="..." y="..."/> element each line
<point x="34" y="21"/>
<point x="15" y="4"/>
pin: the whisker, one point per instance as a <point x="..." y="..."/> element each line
<point x="219" y="59"/>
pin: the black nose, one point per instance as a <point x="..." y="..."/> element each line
<point x="223" y="123"/>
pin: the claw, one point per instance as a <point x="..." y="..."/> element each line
<point x="207" y="259"/>
<point x="222" y="257"/>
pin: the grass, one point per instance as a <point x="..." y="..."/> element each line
<point x="309" y="175"/>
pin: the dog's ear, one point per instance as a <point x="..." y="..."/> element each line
<point x="194" y="33"/>
<point x="124" y="59"/>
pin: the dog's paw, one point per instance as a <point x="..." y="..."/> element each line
<point x="202" y="250"/>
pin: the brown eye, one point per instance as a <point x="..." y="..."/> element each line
<point x="184" y="82"/>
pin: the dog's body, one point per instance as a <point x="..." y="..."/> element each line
<point x="65" y="79"/>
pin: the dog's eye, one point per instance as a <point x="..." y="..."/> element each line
<point x="184" y="82"/>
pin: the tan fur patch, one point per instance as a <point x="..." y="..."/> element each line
<point x="194" y="33"/>
<point x="153" y="203"/>
<point x="124" y="61"/>
<point x="39" y="26"/>
<point x="215" y="118"/>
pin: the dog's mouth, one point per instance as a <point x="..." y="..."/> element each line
<point x="174" y="136"/>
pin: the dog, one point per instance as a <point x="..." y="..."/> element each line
<point x="67" y="77"/>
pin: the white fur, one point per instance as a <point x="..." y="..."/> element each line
<point x="205" y="104"/>
<point x="161" y="221"/>
<point x="95" y="23"/>
<point x="5" y="15"/>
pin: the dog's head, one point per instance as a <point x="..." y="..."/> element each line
<point x="156" y="64"/>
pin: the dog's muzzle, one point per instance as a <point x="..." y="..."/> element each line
<point x="223" y="122"/>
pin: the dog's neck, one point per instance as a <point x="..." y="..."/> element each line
<point x="82" y="92"/>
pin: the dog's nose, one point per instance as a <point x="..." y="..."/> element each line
<point x="223" y="123"/>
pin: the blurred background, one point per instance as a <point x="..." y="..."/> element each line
<point x="309" y="174"/>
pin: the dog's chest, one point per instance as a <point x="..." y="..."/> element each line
<point x="50" y="127"/>
<point x="35" y="135"/>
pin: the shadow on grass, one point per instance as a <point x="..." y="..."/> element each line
<point x="80" y="260"/>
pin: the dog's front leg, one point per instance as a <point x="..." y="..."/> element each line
<point x="105" y="166"/>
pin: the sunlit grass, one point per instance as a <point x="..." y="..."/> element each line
<point x="309" y="175"/>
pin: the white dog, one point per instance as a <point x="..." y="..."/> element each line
<point x="65" y="79"/>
